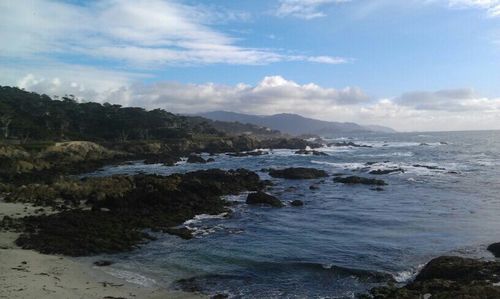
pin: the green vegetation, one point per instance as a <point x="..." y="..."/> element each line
<point x="27" y="116"/>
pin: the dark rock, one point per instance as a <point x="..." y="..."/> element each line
<point x="297" y="203"/>
<point x="183" y="233"/>
<point x="103" y="263"/>
<point x="495" y="249"/>
<point x="458" y="269"/>
<point x="288" y="143"/>
<point x="386" y="171"/>
<point x="449" y="277"/>
<point x="119" y="218"/>
<point x="298" y="173"/>
<point x="263" y="198"/>
<point x="220" y="296"/>
<point x="195" y="159"/>
<point x="314" y="187"/>
<point x="351" y="180"/>
<point x="246" y="154"/>
<point x="428" y="167"/>
<point x="209" y="160"/>
<point x="379" y="189"/>
<point x="310" y="152"/>
<point x="350" y="143"/>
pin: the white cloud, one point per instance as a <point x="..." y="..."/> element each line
<point x="465" y="101"/>
<point x="491" y="6"/>
<point x="452" y="100"/>
<point x="146" y="33"/>
<point x="274" y="94"/>
<point x="87" y="83"/>
<point x="304" y="9"/>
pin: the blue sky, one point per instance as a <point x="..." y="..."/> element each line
<point x="412" y="65"/>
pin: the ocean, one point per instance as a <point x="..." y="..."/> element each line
<point x="345" y="239"/>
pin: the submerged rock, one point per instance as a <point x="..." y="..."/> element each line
<point x="103" y="263"/>
<point x="297" y="203"/>
<point x="350" y="143"/>
<point x="263" y="198"/>
<point x="351" y="180"/>
<point x="310" y="152"/>
<point x="298" y="173"/>
<point x="428" y="167"/>
<point x="246" y="154"/>
<point x="386" y="171"/>
<point x="314" y="187"/>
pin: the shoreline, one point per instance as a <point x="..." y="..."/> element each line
<point x="28" y="274"/>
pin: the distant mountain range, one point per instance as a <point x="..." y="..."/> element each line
<point x="295" y="124"/>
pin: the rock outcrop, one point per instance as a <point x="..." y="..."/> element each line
<point x="310" y="152"/>
<point x="262" y="198"/>
<point x="448" y="277"/>
<point x="117" y="210"/>
<point x="298" y="173"/>
<point x="386" y="171"/>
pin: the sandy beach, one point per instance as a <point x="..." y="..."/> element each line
<point x="28" y="274"/>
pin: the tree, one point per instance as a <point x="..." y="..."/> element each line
<point x="5" y="120"/>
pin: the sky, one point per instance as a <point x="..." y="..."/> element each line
<point x="413" y="65"/>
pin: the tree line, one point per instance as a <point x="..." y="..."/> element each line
<point x="31" y="116"/>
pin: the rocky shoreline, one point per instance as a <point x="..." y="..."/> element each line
<point x="447" y="277"/>
<point x="109" y="215"/>
<point x="91" y="216"/>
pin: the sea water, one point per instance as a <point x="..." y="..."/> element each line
<point x="345" y="239"/>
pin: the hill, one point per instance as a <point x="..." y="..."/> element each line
<point x="295" y="124"/>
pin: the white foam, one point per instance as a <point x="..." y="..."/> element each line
<point x="345" y="166"/>
<point x="395" y="144"/>
<point x="201" y="217"/>
<point x="204" y="230"/>
<point x="282" y="152"/>
<point x="182" y="161"/>
<point x="408" y="168"/>
<point x="238" y="197"/>
<point x="335" y="149"/>
<point x="131" y="277"/>
<point x="393" y="154"/>
<point x="487" y="162"/>
<point x="407" y="275"/>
